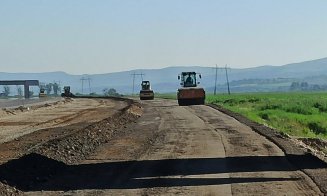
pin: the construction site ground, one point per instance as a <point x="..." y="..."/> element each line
<point x="155" y="147"/>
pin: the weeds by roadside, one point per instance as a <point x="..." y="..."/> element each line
<point x="297" y="114"/>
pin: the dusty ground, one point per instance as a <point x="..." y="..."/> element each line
<point x="157" y="149"/>
<point x="23" y="120"/>
<point x="15" y="102"/>
<point x="26" y="129"/>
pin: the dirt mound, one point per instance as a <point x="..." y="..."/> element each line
<point x="29" y="170"/>
<point x="80" y="144"/>
<point x="52" y="157"/>
<point x="317" y="146"/>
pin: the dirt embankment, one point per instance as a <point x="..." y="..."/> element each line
<point x="36" y="157"/>
<point x="79" y="145"/>
<point x="317" y="146"/>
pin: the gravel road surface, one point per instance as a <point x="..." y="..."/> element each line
<point x="159" y="148"/>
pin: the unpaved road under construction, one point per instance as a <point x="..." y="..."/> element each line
<point x="117" y="147"/>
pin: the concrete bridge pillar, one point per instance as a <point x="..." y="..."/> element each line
<point x="26" y="83"/>
<point x="26" y="90"/>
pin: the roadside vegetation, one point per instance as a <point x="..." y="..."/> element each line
<point x="297" y="114"/>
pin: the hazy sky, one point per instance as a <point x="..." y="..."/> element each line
<point x="101" y="36"/>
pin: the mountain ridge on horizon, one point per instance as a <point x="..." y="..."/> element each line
<point x="175" y="66"/>
<point x="165" y="79"/>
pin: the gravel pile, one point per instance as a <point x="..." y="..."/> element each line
<point x="6" y="190"/>
<point x="79" y="145"/>
<point x="317" y="146"/>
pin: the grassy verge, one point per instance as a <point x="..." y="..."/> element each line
<point x="297" y="114"/>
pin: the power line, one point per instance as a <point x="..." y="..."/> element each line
<point x="227" y="79"/>
<point x="216" y="79"/>
<point x="135" y="74"/>
<point x="89" y="82"/>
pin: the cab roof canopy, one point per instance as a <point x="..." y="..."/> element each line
<point x="188" y="73"/>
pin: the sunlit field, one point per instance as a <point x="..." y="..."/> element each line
<point x="297" y="114"/>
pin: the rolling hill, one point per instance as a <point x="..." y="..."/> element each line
<point x="165" y="80"/>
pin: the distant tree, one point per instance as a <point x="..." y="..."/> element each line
<point x="110" y="92"/>
<point x="316" y="87"/>
<point x="295" y="86"/>
<point x="56" y="88"/>
<point x="304" y="86"/>
<point x="48" y="88"/>
<point x="6" y="90"/>
<point x="105" y="91"/>
<point x="19" y="91"/>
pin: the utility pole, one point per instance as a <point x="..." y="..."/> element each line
<point x="82" y="79"/>
<point x="216" y="80"/>
<point x="58" y="82"/>
<point x="227" y="78"/>
<point x="89" y="81"/>
<point x="135" y="74"/>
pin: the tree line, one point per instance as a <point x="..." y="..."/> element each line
<point x="48" y="88"/>
<point x="305" y="86"/>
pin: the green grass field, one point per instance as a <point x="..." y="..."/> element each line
<point x="297" y="114"/>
